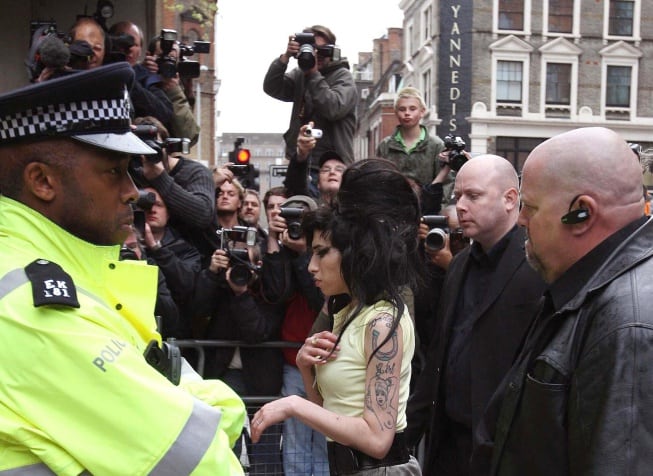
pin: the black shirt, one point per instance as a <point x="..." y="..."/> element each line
<point x="457" y="379"/>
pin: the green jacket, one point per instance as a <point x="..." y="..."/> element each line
<point x="77" y="394"/>
<point x="421" y="163"/>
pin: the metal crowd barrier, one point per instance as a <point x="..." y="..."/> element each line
<point x="251" y="402"/>
<point x="199" y="345"/>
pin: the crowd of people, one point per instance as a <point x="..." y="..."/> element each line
<point x="499" y="323"/>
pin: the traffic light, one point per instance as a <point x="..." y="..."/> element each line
<point x="246" y="173"/>
<point x="242" y="156"/>
<point x="239" y="155"/>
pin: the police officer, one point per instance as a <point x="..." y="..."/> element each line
<point x="87" y="386"/>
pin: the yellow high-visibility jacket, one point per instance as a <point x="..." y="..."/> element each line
<point x="76" y="394"/>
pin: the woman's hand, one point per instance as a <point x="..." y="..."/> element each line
<point x="317" y="350"/>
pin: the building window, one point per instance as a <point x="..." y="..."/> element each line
<point x="621" y="18"/>
<point x="509" y="81"/>
<point x="558" y="83"/>
<point x="561" y="16"/>
<point x="426" y="87"/>
<point x="617" y="93"/>
<point x="516" y="149"/>
<point x="511" y="15"/>
<point x="427" y="19"/>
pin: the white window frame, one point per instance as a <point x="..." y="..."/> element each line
<point x="408" y="40"/>
<point x="620" y="54"/>
<point x="427" y="23"/>
<point x="511" y="48"/>
<point x="637" y="15"/>
<point x="560" y="50"/>
<point x="427" y="87"/>
<point x="575" y="29"/>
<point x="527" y="20"/>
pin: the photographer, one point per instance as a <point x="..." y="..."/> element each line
<point x="322" y="90"/>
<point x="188" y="190"/>
<point x="182" y="123"/>
<point x="330" y="166"/>
<point x="286" y="280"/>
<point x="179" y="261"/>
<point x="228" y="291"/>
<point x="87" y="29"/>
<point x="147" y="96"/>
<point x="438" y="253"/>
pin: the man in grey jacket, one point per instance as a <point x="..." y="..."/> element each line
<point x="579" y="397"/>
<point x="324" y="93"/>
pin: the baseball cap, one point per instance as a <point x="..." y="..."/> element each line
<point x="329" y="155"/>
<point x="91" y="106"/>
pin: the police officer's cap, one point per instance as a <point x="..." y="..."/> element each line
<point x="91" y="106"/>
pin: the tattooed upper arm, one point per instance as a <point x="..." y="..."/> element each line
<point x="384" y="370"/>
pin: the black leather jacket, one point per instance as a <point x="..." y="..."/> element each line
<point x="586" y="404"/>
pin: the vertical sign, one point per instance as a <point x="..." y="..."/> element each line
<point x="455" y="68"/>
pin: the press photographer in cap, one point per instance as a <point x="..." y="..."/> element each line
<point x="321" y="89"/>
<point x="330" y="164"/>
<point x="88" y="387"/>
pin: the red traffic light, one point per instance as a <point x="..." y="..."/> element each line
<point x="243" y="155"/>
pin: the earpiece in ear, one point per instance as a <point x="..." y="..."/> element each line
<point x="575" y="216"/>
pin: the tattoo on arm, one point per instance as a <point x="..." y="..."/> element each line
<point x="383" y="354"/>
<point x="383" y="387"/>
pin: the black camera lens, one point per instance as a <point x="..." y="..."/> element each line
<point x="240" y="275"/>
<point x="167" y="66"/>
<point x="306" y="57"/>
<point x="457" y="160"/>
<point x="435" y="239"/>
<point x="294" y="230"/>
<point x="145" y="200"/>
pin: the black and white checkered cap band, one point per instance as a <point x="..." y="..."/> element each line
<point x="74" y="118"/>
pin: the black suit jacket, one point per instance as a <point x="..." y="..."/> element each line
<point x="499" y="325"/>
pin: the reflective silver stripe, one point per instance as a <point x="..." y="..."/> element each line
<point x="38" y="469"/>
<point x="192" y="443"/>
<point x="17" y="277"/>
<point x="11" y="281"/>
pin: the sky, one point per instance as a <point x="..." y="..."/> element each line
<point x="251" y="33"/>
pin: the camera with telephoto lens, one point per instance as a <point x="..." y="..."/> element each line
<point x="293" y="218"/>
<point x="456" y="146"/>
<point x="148" y="133"/>
<point x="438" y="231"/>
<point x="143" y="203"/>
<point x="239" y="262"/>
<point x="306" y="53"/>
<point x="169" y="66"/>
<point x="118" y="47"/>
<point x="308" y="50"/>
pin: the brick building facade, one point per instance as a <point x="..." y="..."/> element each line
<point x="507" y="74"/>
